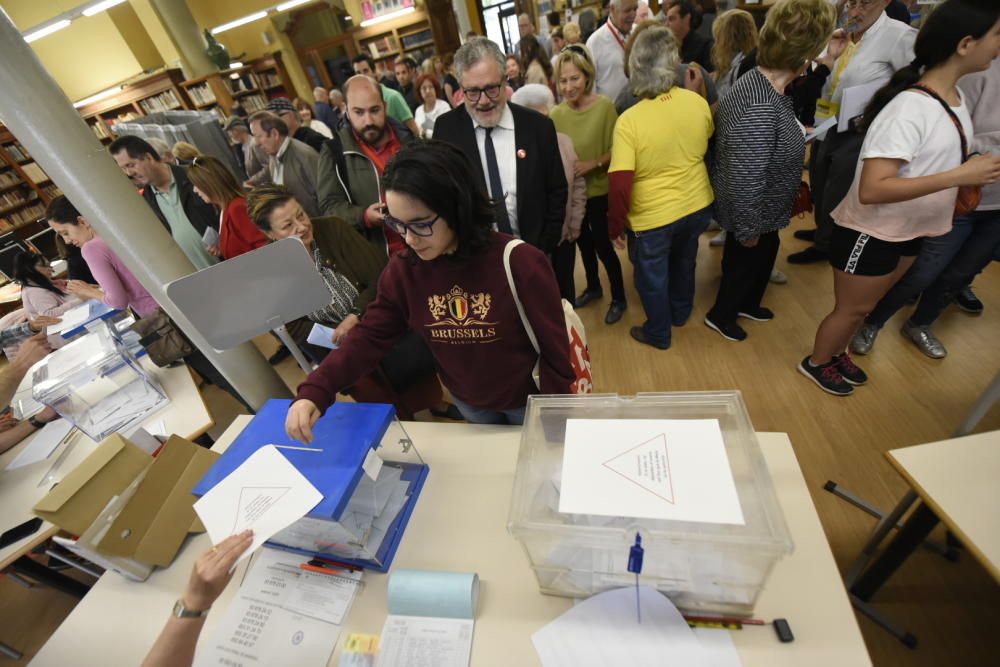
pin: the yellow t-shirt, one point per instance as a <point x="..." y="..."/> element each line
<point x="664" y="140"/>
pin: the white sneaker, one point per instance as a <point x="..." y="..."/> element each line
<point x="778" y="278"/>
<point x="718" y="240"/>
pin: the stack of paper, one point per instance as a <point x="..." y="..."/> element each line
<point x="42" y="444"/>
<point x="283" y="615"/>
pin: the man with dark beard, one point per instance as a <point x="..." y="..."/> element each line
<point x="351" y="164"/>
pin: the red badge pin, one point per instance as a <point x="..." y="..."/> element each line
<point x="521" y="154"/>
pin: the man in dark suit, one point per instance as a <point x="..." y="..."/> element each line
<point x="513" y="150"/>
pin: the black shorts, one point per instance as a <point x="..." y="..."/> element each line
<point x="864" y="255"/>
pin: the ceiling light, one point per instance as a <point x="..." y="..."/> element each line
<point x="386" y="17"/>
<point x="238" y="22"/>
<point x="47" y="30"/>
<point x="98" y="96"/>
<point x="101" y="6"/>
<point x="291" y="3"/>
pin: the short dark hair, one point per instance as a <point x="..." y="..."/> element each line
<point x="61" y="210"/>
<point x="437" y="173"/>
<point x="364" y="57"/>
<point x="261" y="202"/>
<point x="410" y="63"/>
<point x="688" y="8"/>
<point x="135" y="146"/>
<point x="270" y="121"/>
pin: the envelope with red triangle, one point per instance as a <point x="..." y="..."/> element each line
<point x="673" y="469"/>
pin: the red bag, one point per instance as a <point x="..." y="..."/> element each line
<point x="803" y="200"/>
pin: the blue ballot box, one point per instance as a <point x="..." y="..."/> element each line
<point x="360" y="459"/>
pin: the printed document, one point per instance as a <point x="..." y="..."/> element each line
<point x="648" y="469"/>
<point x="266" y="493"/>
<point x="42" y="444"/>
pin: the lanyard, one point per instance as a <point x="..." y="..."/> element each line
<point x="842" y="62"/>
<point x="614" y="33"/>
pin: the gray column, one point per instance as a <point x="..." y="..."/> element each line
<point x="44" y="120"/>
<point x="186" y="35"/>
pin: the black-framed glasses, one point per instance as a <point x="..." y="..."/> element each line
<point x="422" y="228"/>
<point x="492" y="92"/>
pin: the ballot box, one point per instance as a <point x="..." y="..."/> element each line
<point x="676" y="479"/>
<point x="96" y="383"/>
<point x="362" y="462"/>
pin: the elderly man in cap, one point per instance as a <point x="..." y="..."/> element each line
<point x="283" y="108"/>
<point x="251" y="157"/>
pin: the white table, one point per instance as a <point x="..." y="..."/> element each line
<point x="460" y="524"/>
<point x="185" y="415"/>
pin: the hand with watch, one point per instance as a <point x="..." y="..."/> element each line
<point x="212" y="571"/>
<point x="42" y="418"/>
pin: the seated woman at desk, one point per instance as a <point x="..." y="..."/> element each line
<point x="116" y="286"/>
<point x="40" y="294"/>
<point x="451" y="287"/>
<point x="350" y="268"/>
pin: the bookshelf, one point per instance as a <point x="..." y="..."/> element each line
<point x="25" y="190"/>
<point x="158" y="92"/>
<point x="272" y="76"/>
<point x="409" y="35"/>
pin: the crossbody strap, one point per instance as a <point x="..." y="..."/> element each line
<point x="508" y="249"/>
<point x="951" y="114"/>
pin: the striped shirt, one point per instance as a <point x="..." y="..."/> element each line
<point x="756" y="163"/>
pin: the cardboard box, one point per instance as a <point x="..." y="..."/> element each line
<point x="76" y="501"/>
<point x="129" y="507"/>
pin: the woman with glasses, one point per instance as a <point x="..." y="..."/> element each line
<point x="216" y="185"/>
<point x="40" y="294"/>
<point x="589" y="120"/>
<point x="350" y="268"/>
<point x="869" y="48"/>
<point x="452" y="288"/>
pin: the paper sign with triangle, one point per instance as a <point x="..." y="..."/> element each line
<point x="254" y="503"/>
<point x="648" y="466"/>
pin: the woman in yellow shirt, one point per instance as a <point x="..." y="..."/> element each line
<point x="589" y="120"/>
<point x="660" y="194"/>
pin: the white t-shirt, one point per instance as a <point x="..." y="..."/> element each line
<point x="425" y="120"/>
<point x="912" y="127"/>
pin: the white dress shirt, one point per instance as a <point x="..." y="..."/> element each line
<point x="277" y="166"/>
<point x="506" y="150"/>
<point x="885" y="47"/>
<point x="609" y="60"/>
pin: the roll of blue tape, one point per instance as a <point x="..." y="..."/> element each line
<point x="431" y="593"/>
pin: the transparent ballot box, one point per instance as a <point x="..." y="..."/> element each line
<point x="360" y="460"/>
<point x="96" y="383"/>
<point x="682" y="470"/>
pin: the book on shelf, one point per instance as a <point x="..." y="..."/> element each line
<point x="165" y="101"/>
<point x="8" y="178"/>
<point x="100" y="131"/>
<point x="202" y="93"/>
<point x="269" y="80"/>
<point x="27" y="214"/>
<point x="35" y="173"/>
<point x="17" y="152"/>
<point x="13" y="198"/>
<point x="51" y="190"/>
<point x="253" y="103"/>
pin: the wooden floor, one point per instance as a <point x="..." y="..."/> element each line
<point x="953" y="608"/>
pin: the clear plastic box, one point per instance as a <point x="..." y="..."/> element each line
<point x="97" y="384"/>
<point x="701" y="567"/>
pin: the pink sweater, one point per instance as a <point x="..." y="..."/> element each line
<point x="40" y="301"/>
<point x="121" y="289"/>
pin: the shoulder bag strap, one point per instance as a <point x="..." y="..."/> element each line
<point x="951" y="114"/>
<point x="513" y="243"/>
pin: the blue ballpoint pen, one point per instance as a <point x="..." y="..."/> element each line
<point x="635" y="565"/>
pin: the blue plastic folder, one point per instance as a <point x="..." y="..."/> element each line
<point x="346" y="433"/>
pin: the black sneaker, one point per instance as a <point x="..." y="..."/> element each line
<point x="810" y="255"/>
<point x="279" y="356"/>
<point x="732" y="331"/>
<point x="759" y="314"/>
<point x="805" y="234"/>
<point x="849" y="371"/>
<point x="967" y="300"/>
<point x="586" y="297"/>
<point x="615" y="312"/>
<point x="827" y="377"/>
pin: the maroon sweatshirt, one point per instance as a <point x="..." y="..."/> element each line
<point x="466" y="313"/>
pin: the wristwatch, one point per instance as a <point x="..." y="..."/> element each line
<point x="35" y="423"/>
<point x="180" y="611"/>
